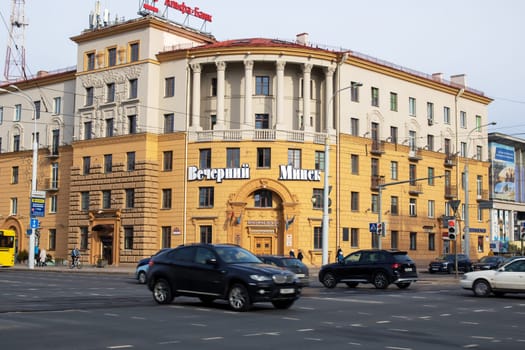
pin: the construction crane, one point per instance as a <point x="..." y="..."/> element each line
<point x="15" y="58"/>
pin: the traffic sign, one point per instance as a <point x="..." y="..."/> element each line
<point x="38" y="206"/>
<point x="34" y="223"/>
<point x="372" y="227"/>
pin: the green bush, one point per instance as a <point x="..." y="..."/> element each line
<point x="22" y="256"/>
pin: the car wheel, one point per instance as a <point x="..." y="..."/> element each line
<point x="207" y="300"/>
<point x="403" y="285"/>
<point x="238" y="298"/>
<point x="329" y="280"/>
<point x="481" y="288"/>
<point x="142" y="277"/>
<point x="352" y="284"/>
<point x="162" y="292"/>
<point x="282" y="304"/>
<point x="380" y="280"/>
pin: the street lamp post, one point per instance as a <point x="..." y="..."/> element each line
<point x="31" y="253"/>
<point x="466" y="226"/>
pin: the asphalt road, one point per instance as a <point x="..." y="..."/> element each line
<point x="65" y="310"/>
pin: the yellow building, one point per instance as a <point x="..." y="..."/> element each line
<point x="174" y="137"/>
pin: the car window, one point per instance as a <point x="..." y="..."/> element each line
<point x="203" y="254"/>
<point x="516" y="266"/>
<point x="184" y="254"/>
<point x="354" y="257"/>
<point x="402" y="258"/>
<point x="291" y="262"/>
<point x="236" y="255"/>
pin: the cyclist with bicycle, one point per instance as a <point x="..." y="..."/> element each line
<point x="75" y="256"/>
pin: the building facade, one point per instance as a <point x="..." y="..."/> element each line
<point x="168" y="136"/>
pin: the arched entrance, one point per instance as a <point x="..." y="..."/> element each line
<point x="260" y="217"/>
<point x="105" y="237"/>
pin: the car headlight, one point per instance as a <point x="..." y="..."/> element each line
<point x="261" y="278"/>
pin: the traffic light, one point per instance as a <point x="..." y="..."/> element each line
<point x="452" y="229"/>
<point x="379" y="228"/>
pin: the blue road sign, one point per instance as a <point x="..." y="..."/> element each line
<point x="34" y="223"/>
<point x="38" y="206"/>
<point x="372" y="227"/>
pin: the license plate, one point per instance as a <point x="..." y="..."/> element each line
<point x="408" y="269"/>
<point x="287" y="291"/>
<point x="300" y="275"/>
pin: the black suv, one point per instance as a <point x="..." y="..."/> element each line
<point x="220" y="271"/>
<point x="379" y="267"/>
<point x="447" y="263"/>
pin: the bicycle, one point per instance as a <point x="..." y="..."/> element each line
<point x="75" y="263"/>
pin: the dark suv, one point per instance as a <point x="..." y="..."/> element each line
<point x="379" y="267"/>
<point x="447" y="263"/>
<point x="220" y="271"/>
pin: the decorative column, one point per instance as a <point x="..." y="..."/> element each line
<point x="329" y="98"/>
<point x="221" y="69"/>
<point x="280" y="95"/>
<point x="307" y="69"/>
<point x="248" y="120"/>
<point x="196" y="97"/>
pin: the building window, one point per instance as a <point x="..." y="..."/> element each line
<point x="354" y="201"/>
<point x="346" y="234"/>
<point x="478" y="123"/>
<point x="53" y="204"/>
<point x="52" y="239"/>
<point x="479" y="186"/>
<point x="37" y="105"/>
<point x="112" y="56"/>
<point x="354" y="127"/>
<point x="394" y="205"/>
<point x="86" y="165"/>
<point x="1" y="115"/>
<point x="88" y="130"/>
<point x="430" y="142"/>
<point x="431" y="208"/>
<point x="134" y="52"/>
<point x="479" y="152"/>
<point x="213" y="121"/>
<point x="480" y="214"/>
<point x="430" y="175"/>
<point x="393" y="134"/>
<point x="133" y="88"/>
<point x="166" y="198"/>
<point x="431" y="241"/>
<point x="264" y="157"/>
<point x="262" y="85"/>
<point x="109" y="127"/>
<point x="132" y="124"/>
<point x="84" y="232"/>
<point x="354" y="91"/>
<point x="130" y="198"/>
<point x="394" y="169"/>
<point x="213" y="87"/>
<point x="128" y="237"/>
<point x="463" y="149"/>
<point x="354" y="164"/>
<point x="294" y="158"/>
<point x="413" y="240"/>
<point x="262" y="121"/>
<point x="54" y="175"/>
<point x="412" y="172"/>
<point x="446" y="115"/>
<point x="169" y="87"/>
<point x="206" y="234"/>
<point x="394" y="239"/>
<point x="14" y="206"/>
<point x="233" y="157"/>
<point x="108" y="163"/>
<point x="106" y="199"/>
<point x="374" y="203"/>
<point x="84" y="200"/>
<point x="318" y="237"/>
<point x="205" y="158"/>
<point x="90" y="61"/>
<point x="393" y="101"/>
<point x="110" y="92"/>
<point x="55" y="141"/>
<point x="18" y="113"/>
<point x="166" y="236"/>
<point x="169" y="123"/>
<point x="480" y="245"/>
<point x="262" y="199"/>
<point x="354" y="237"/>
<point x="412" y="106"/>
<point x="412" y="140"/>
<point x="14" y="175"/>
<point x="317" y="198"/>
<point x="463" y="119"/>
<point x="16" y="143"/>
<point x="167" y="161"/>
<point x="89" y="96"/>
<point x="430" y="113"/>
<point x="130" y="161"/>
<point x="206" y="197"/>
<point x="412" y="207"/>
<point x="319" y="160"/>
<point x="375" y="97"/>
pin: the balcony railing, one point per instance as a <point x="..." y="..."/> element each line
<point x="50" y="184"/>
<point x="378" y="147"/>
<point x="260" y="135"/>
<point x="415" y="189"/>
<point x="450" y="191"/>
<point x="375" y="181"/>
<point x="482" y="195"/>
<point x="450" y="160"/>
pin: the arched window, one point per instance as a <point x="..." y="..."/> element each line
<point x="263" y="199"/>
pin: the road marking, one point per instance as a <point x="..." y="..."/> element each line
<point x="398" y="330"/>
<point x="213" y="338"/>
<point x="380" y="322"/>
<point x="471" y="323"/>
<point x="305" y="330"/>
<point x="169" y="342"/>
<point x="482" y="337"/>
<point x="397" y="348"/>
<point x="314" y="339"/>
<point x="120" y="346"/>
<point x="356" y="344"/>
<point x="468" y="346"/>
<point x="137" y="318"/>
<point x="291" y="318"/>
<point x="349" y="300"/>
<point x="198" y="324"/>
<point x="112" y="315"/>
<point x="445" y="315"/>
<point x="306" y="308"/>
<point x="357" y="325"/>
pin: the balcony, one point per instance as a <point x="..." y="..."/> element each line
<point x="50" y="184"/>
<point x="265" y="135"/>
<point x="450" y="191"/>
<point x="482" y="195"/>
<point x="378" y="147"/>
<point x="415" y="189"/>
<point x="52" y="152"/>
<point x="375" y="181"/>
<point x="450" y="160"/>
<point x="415" y="154"/>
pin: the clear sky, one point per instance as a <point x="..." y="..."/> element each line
<point x="480" y="38"/>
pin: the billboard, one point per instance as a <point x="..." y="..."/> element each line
<point x="503" y="171"/>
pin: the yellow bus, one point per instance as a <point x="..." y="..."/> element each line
<point x="7" y="247"/>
